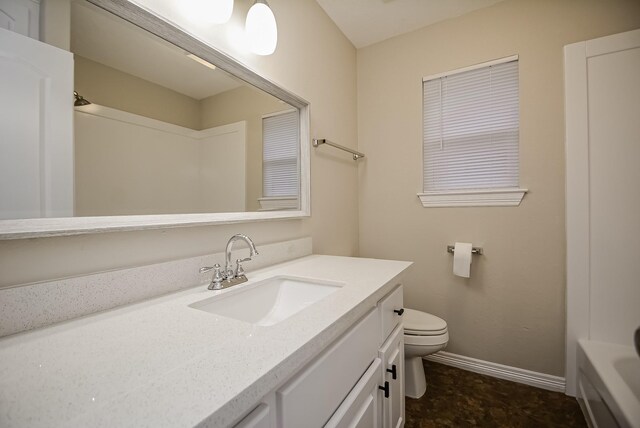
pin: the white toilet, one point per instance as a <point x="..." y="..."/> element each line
<point x="424" y="334"/>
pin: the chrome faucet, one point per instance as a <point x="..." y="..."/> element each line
<point x="228" y="271"/>
<point x="230" y="276"/>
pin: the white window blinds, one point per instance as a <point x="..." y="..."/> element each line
<point x="471" y="129"/>
<point x="280" y="143"/>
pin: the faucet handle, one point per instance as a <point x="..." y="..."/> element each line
<point x="217" y="279"/>
<point x="239" y="269"/>
<point x="217" y="276"/>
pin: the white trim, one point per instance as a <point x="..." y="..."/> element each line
<point x="577" y="218"/>
<point x="135" y="119"/>
<point x="170" y="128"/>
<point x="577" y="206"/>
<point x="278" y="203"/>
<point x="277" y="113"/>
<point x="65" y="226"/>
<point x="613" y="43"/>
<point x="305" y="161"/>
<point x="500" y="371"/>
<point x="473" y="198"/>
<point x="471" y="67"/>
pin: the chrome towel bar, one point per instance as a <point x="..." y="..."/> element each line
<point x="319" y="141"/>
<point x="474" y="250"/>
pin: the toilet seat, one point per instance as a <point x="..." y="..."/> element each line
<point x="417" y="323"/>
<point x="433" y="340"/>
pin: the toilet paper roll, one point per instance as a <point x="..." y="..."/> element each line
<point x="462" y="259"/>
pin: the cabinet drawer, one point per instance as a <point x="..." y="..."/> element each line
<point x="361" y="408"/>
<point x="312" y="396"/>
<point x="390" y="319"/>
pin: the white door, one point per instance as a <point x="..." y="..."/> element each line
<point x="223" y="180"/>
<point x="21" y="16"/>
<point x="614" y="175"/>
<point x="602" y="83"/>
<point x="36" y="129"/>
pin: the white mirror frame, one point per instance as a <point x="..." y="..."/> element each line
<point x="46" y="227"/>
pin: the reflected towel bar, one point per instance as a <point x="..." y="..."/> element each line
<point x="318" y="142"/>
<point x="474" y="250"/>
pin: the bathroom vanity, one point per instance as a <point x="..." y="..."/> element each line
<point x="357" y="381"/>
<point x="176" y="361"/>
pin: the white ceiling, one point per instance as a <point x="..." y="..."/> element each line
<point x="109" y="40"/>
<point x="366" y="22"/>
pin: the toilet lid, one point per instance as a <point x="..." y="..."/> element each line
<point x="422" y="324"/>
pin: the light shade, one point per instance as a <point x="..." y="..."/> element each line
<point x="213" y="11"/>
<point x="261" y="29"/>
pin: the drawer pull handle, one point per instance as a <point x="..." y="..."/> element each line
<point x="399" y="311"/>
<point x="393" y="371"/>
<point x="385" y="388"/>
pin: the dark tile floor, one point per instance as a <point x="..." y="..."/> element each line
<point x="458" y="398"/>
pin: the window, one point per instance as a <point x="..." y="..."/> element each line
<point x="471" y="136"/>
<point x="280" y="147"/>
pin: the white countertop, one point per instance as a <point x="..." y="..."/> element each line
<point x="161" y="363"/>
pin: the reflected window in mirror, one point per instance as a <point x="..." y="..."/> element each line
<point x="280" y="159"/>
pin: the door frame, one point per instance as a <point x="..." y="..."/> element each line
<point x="577" y="213"/>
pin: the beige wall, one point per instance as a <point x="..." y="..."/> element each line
<point x="512" y="309"/>
<point x="248" y="104"/>
<point x="131" y="166"/>
<point x="124" y="168"/>
<point x="113" y="88"/>
<point x="55" y="21"/>
<point x="307" y="37"/>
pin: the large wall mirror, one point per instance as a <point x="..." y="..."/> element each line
<point x="168" y="132"/>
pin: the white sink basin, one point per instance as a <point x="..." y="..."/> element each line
<point x="269" y="301"/>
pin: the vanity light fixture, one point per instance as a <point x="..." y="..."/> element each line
<point x="213" y="11"/>
<point x="201" y="61"/>
<point x="261" y="28"/>
<point x="220" y="10"/>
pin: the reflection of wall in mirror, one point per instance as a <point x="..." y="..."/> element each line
<point x="127" y="164"/>
<point x="113" y="88"/>
<point x="107" y="86"/>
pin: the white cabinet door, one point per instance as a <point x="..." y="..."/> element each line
<point x="21" y="16"/>
<point x="392" y="356"/>
<point x="315" y="393"/>
<point x="36" y="129"/>
<point x="361" y="408"/>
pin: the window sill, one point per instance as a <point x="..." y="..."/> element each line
<point x="278" y="203"/>
<point x="473" y="198"/>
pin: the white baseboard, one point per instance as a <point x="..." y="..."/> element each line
<point x="514" y="374"/>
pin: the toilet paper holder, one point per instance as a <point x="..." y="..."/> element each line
<point x="474" y="250"/>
